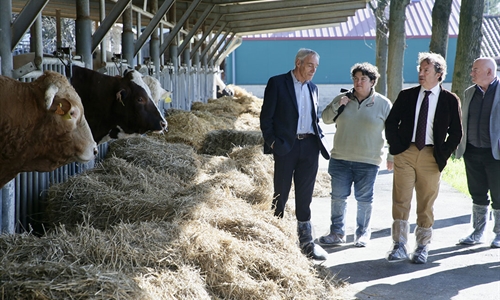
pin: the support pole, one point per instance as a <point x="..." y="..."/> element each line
<point x="83" y="26"/>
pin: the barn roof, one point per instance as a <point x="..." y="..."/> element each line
<point x="490" y="45"/>
<point x="418" y="25"/>
<point x="362" y="24"/>
<point x="239" y="17"/>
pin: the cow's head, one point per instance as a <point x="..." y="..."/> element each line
<point x="138" y="112"/>
<point x="158" y="93"/>
<point x="66" y="123"/>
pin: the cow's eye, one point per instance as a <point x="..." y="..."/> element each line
<point x="140" y="100"/>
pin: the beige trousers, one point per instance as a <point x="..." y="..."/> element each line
<point x="414" y="169"/>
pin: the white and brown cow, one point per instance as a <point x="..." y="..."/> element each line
<point x="42" y="126"/>
<point x="116" y="107"/>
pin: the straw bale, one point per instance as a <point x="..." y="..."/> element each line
<point x="184" y="283"/>
<point x="175" y="159"/>
<point x="252" y="161"/>
<point x="186" y="128"/>
<point x="50" y="268"/>
<point x="190" y="128"/>
<point x="323" y="186"/>
<point x="215" y="164"/>
<point x="246" y="253"/>
<point x="247" y="121"/>
<point x="217" y="122"/>
<point x="252" y="105"/>
<point x="220" y="142"/>
<point x="224" y="106"/>
<point x="114" y="192"/>
<point x="240" y="185"/>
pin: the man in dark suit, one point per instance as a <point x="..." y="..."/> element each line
<point x="289" y="124"/>
<point x="420" y="150"/>
<point x="480" y="148"/>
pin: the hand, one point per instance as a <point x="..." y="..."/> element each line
<point x="390" y="165"/>
<point x="344" y="100"/>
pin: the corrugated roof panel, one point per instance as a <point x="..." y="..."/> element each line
<point x="363" y="24"/>
<point x="490" y="45"/>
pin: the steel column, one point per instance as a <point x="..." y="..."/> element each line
<point x="83" y="28"/>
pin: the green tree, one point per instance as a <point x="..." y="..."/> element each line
<point x="397" y="45"/>
<point x="382" y="45"/>
<point x="468" y="47"/>
<point x="440" y="22"/>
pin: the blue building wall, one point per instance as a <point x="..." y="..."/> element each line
<point x="256" y="60"/>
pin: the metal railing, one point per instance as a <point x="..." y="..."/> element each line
<point x="22" y="198"/>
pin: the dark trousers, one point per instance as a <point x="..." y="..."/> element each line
<point x="483" y="175"/>
<point x="301" y="164"/>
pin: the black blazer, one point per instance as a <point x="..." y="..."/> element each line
<point x="279" y="116"/>
<point x="447" y="127"/>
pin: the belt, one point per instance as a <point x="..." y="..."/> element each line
<point x="302" y="136"/>
<point x="426" y="145"/>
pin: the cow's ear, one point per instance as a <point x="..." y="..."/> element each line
<point x="61" y="107"/>
<point x="120" y="96"/>
<point x="50" y="94"/>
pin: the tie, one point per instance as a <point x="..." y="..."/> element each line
<point x="422" y="122"/>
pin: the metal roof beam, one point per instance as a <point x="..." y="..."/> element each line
<point x="25" y="19"/>
<point x="219" y="44"/>
<point x="195" y="28"/>
<point x="108" y="22"/>
<point x="178" y="26"/>
<point x="289" y="26"/>
<point x="213" y="39"/>
<point x="152" y="25"/>
<point x="289" y="4"/>
<point x="311" y="13"/>
<point x="206" y="33"/>
<point x="283" y="22"/>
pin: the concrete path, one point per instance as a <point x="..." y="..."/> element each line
<point x="452" y="271"/>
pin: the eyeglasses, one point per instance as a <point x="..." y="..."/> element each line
<point x="362" y="79"/>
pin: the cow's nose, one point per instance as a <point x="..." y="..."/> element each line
<point x="164" y="125"/>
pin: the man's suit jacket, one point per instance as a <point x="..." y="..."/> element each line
<point x="447" y="126"/>
<point x="279" y="116"/>
<point x="494" y="122"/>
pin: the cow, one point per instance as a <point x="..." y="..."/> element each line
<point x="42" y="126"/>
<point x="116" y="107"/>
<point x="221" y="88"/>
<point x="158" y="93"/>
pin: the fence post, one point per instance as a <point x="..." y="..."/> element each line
<point x="8" y="208"/>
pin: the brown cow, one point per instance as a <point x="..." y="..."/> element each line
<point x="116" y="107"/>
<point x="42" y="126"/>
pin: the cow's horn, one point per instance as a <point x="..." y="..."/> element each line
<point x="50" y="93"/>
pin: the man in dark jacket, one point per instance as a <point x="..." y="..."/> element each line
<point x="289" y="124"/>
<point x="423" y="129"/>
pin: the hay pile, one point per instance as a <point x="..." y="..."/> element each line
<point x="156" y="220"/>
<point x="220" y="142"/>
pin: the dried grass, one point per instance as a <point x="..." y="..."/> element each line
<point x="114" y="192"/>
<point x="220" y="142"/>
<point x="156" y="220"/>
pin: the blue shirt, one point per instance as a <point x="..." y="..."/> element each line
<point x="304" y="105"/>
